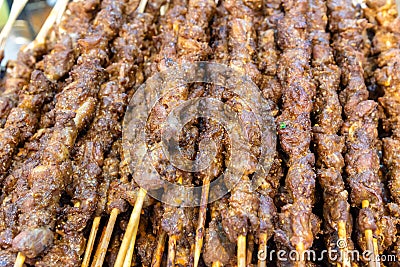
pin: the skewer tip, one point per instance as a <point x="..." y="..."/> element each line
<point x="90" y="243"/>
<point x="171" y="251"/>
<point x="241" y="251"/>
<point x="19" y="262"/>
<point x="263" y="239"/>
<point x="131" y="229"/>
<point x="142" y="6"/>
<point x="102" y="248"/>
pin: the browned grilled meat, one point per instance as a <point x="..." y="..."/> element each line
<point x="295" y="229"/>
<point x="360" y="127"/>
<point x="329" y="145"/>
<point x="241" y="215"/>
<point x="387" y="75"/>
<point x="268" y="58"/>
<point x="45" y="182"/>
<point x="217" y="247"/>
<point x="23" y="120"/>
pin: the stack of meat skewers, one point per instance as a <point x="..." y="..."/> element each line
<point x="330" y="71"/>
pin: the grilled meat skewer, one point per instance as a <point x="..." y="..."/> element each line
<point x="360" y="127"/>
<point x="329" y="145"/>
<point x="75" y="107"/>
<point x="387" y="76"/>
<point x="297" y="225"/>
<point x="21" y="121"/>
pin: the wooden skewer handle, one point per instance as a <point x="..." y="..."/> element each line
<point x="16" y="9"/>
<point x="20" y="260"/>
<point x="102" y="249"/>
<point x="131" y="249"/>
<point x="241" y="251"/>
<point x="133" y="222"/>
<point x="55" y="13"/>
<point x="171" y="251"/>
<point x="90" y="244"/>
<point x="262" y="253"/>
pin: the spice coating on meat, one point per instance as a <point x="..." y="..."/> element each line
<point x="328" y="144"/>
<point x="106" y="126"/>
<point x="73" y="26"/>
<point x="360" y="127"/>
<point x="23" y="120"/>
<point x="295" y="227"/>
<point x="268" y="58"/>
<point x="240" y="217"/>
<point x="74" y="108"/>
<point x="217" y="246"/>
<point x="387" y="75"/>
<point x="16" y="78"/>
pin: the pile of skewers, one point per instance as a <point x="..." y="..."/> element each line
<point x="331" y="71"/>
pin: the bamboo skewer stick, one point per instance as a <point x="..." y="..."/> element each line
<point x="369" y="239"/>
<point x="16" y="9"/>
<point x="157" y="257"/>
<point x="102" y="249"/>
<point x="172" y="242"/>
<point x="202" y="220"/>
<point x="171" y="251"/>
<point x="300" y="251"/>
<point x="250" y="249"/>
<point x="263" y="247"/>
<point x="131" y="249"/>
<point x="55" y="13"/>
<point x="241" y="251"/>
<point x="90" y="243"/>
<point x="97" y="254"/>
<point x="376" y="252"/>
<point x="20" y="260"/>
<point x="344" y="250"/>
<point x="216" y="264"/>
<point x="130" y="232"/>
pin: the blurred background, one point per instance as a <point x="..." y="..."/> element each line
<point x="26" y="27"/>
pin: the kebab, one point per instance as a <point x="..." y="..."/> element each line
<point x="360" y="130"/>
<point x="329" y="145"/>
<point x="20" y="169"/>
<point x="75" y="107"/>
<point x="134" y="32"/>
<point x="192" y="45"/>
<point x="387" y="76"/>
<point x="193" y="51"/>
<point x="106" y="128"/>
<point x="240" y="218"/>
<point x="19" y="71"/>
<point x="268" y="56"/>
<point x="108" y="175"/>
<point x="21" y="124"/>
<point x="212" y="130"/>
<point x="88" y="161"/>
<point x="22" y="120"/>
<point x="297" y="225"/>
